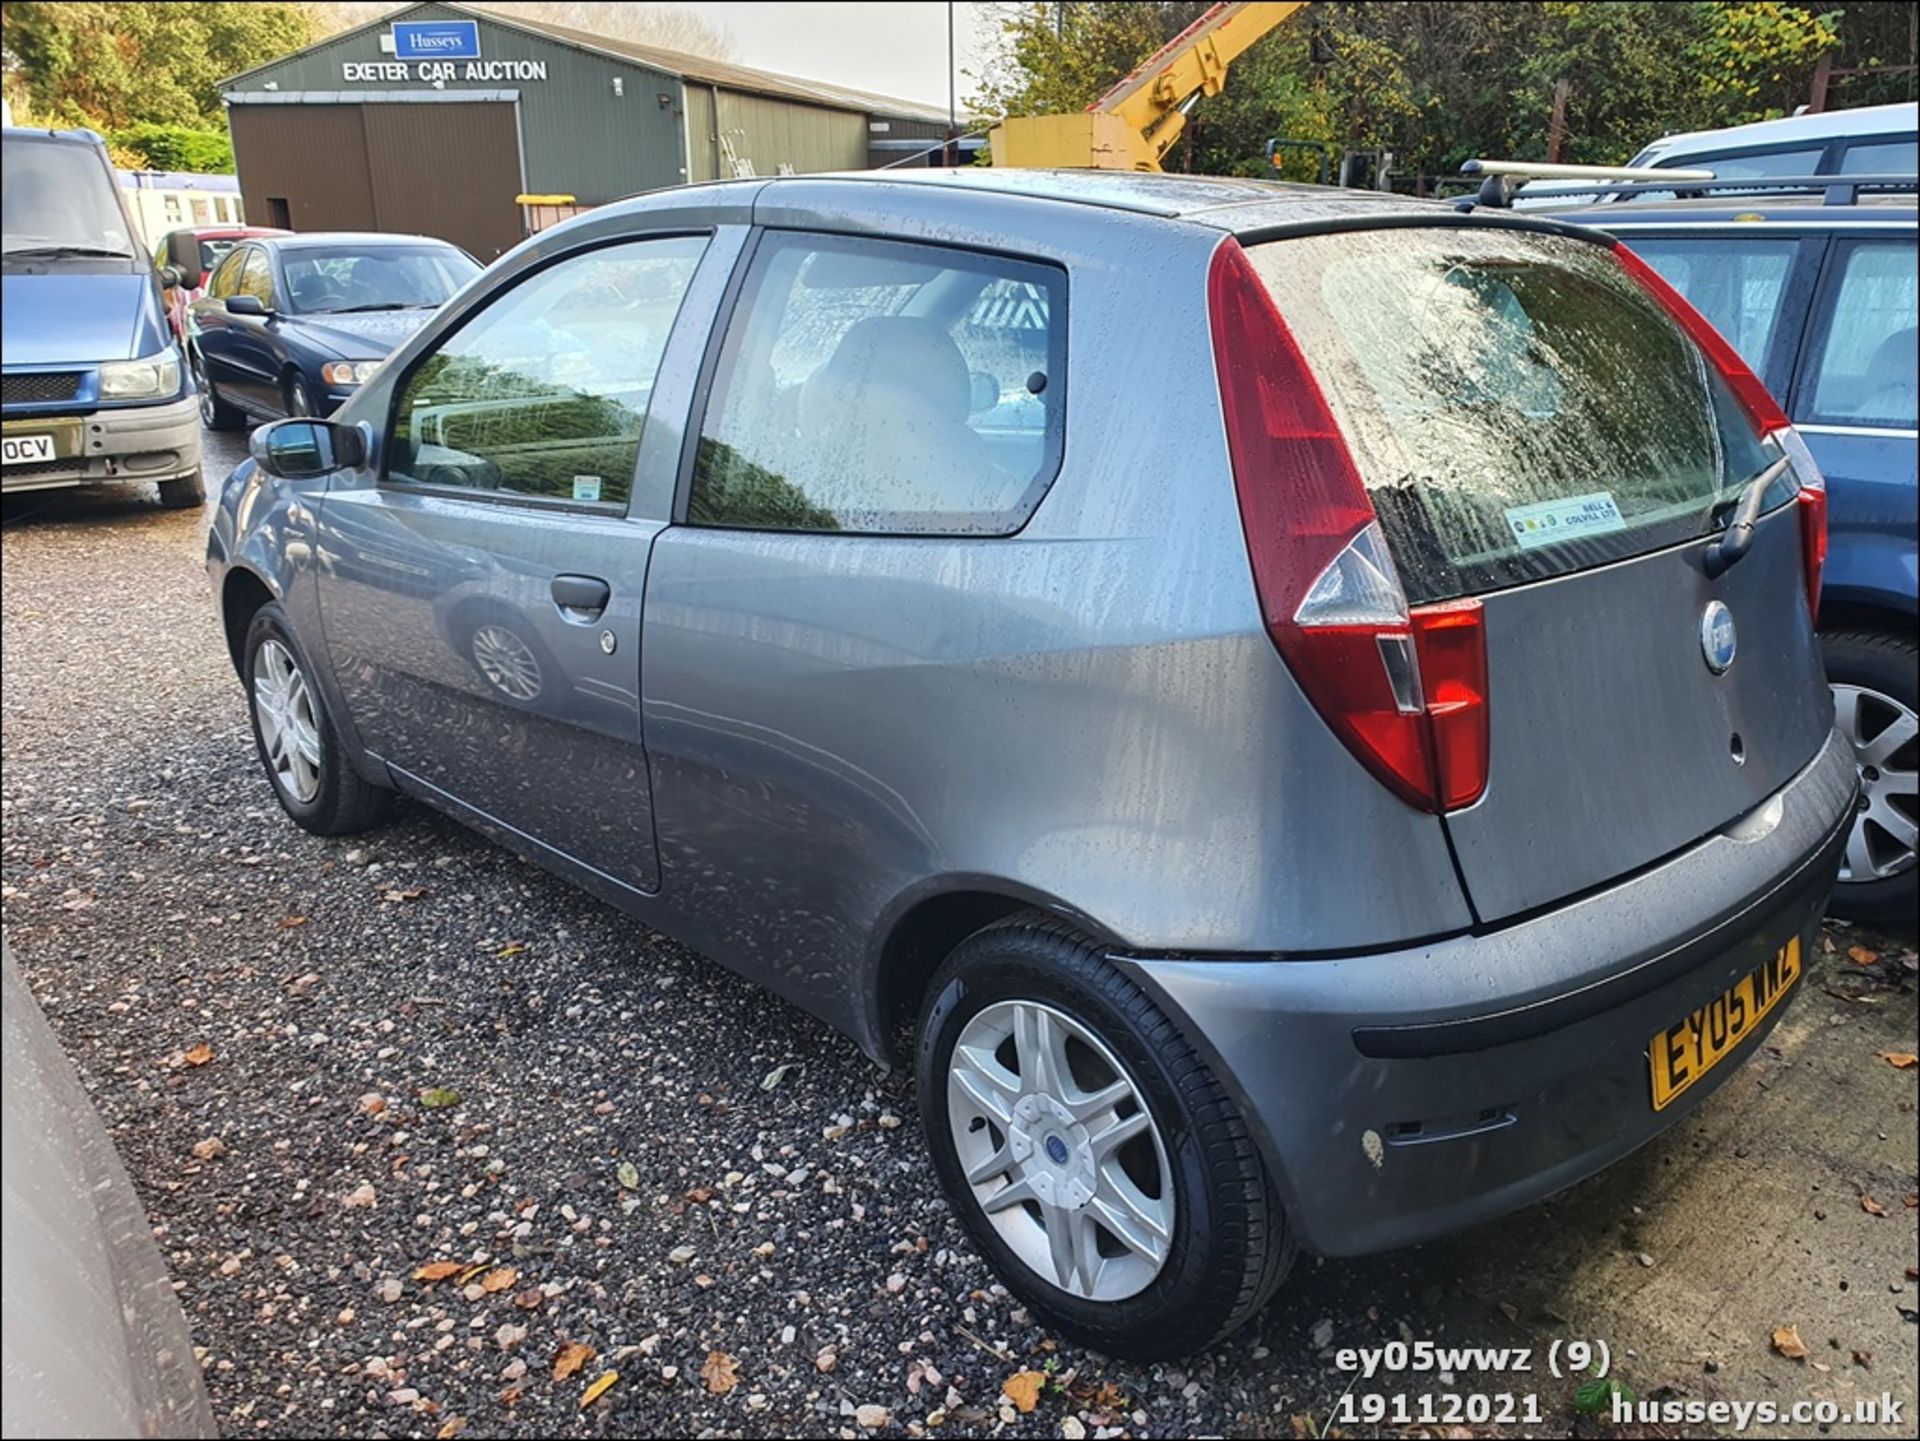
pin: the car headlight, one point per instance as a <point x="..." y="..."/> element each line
<point x="141" y="379"/>
<point x="348" y="372"/>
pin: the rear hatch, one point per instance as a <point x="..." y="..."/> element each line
<point x="1551" y="449"/>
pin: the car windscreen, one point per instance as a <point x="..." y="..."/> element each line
<point x="1517" y="406"/>
<point x="59" y="197"/>
<point x="389" y="277"/>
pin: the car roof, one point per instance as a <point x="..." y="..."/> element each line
<point x="334" y="239"/>
<point x="1182" y="197"/>
<point x="1827" y="125"/>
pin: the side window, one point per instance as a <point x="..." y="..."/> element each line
<point x="256" y="276"/>
<point x="1740" y="284"/>
<point x="1880" y="157"/>
<point x="1863" y="359"/>
<point x="1757" y="165"/>
<point x="878" y="387"/>
<point x="226" y="275"/>
<point x="544" y="392"/>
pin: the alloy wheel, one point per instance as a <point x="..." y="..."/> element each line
<point x="204" y="389"/>
<point x="1060" y="1150"/>
<point x="1885" y="827"/>
<point x="289" y="723"/>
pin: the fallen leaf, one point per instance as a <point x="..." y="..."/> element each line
<point x="411" y="893"/>
<point x="1911" y="1201"/>
<point x="1786" y="1340"/>
<point x="628" y="1175"/>
<point x="1023" y="1389"/>
<point x="511" y="948"/>
<point x="436" y="1270"/>
<point x="511" y="1396"/>
<point x="721" y="1373"/>
<point x="775" y="1076"/>
<point x="1899" y="1060"/>
<point x="1861" y="956"/>
<point x="499" y="1280"/>
<point x="598" y="1389"/>
<point x="438" y="1098"/>
<point x="1872" y="1207"/>
<point x="452" y="1426"/>
<point x="573" y="1355"/>
<point x="199" y="1055"/>
<point x="531" y="1299"/>
<point x="287" y="923"/>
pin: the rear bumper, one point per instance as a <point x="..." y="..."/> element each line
<point x="1397" y="1097"/>
<point x="117" y="447"/>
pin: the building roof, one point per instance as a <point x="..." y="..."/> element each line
<point x="697" y="68"/>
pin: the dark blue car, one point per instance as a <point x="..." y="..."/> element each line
<point x="1815" y="287"/>
<point x="292" y="325"/>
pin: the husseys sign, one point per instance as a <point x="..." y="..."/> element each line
<point x="437" y="51"/>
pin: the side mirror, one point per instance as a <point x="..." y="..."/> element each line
<point x="246" y="305"/>
<point x="986" y="393"/>
<point x="302" y="449"/>
<point x="183" y="258"/>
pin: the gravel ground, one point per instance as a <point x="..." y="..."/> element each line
<point x="329" y="1065"/>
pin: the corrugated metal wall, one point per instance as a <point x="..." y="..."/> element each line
<point x="312" y="156"/>
<point x="808" y="137"/>
<point x="444" y="169"/>
<point x="703" y="152"/>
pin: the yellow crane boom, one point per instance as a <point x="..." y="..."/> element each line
<point x="1136" y="123"/>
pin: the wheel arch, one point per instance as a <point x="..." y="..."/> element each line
<point x="921" y="929"/>
<point x="242" y="594"/>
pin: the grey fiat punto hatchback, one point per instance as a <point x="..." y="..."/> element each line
<point x="1297" y="710"/>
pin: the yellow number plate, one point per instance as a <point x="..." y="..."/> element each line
<point x="1688" y="1049"/>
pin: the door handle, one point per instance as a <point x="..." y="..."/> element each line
<point x="581" y="598"/>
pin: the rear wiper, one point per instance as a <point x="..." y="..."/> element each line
<point x="1737" y="539"/>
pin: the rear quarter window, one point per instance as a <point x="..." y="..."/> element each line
<point x="1517" y="406"/>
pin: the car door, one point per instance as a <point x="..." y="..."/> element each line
<point x="208" y="325"/>
<point x="1854" y="401"/>
<point x="251" y="371"/>
<point x="481" y="586"/>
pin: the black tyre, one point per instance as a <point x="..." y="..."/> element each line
<point x="215" y="413"/>
<point x="299" y="398"/>
<point x="1876" y="693"/>
<point x="304" y="759"/>
<point x="184" y="492"/>
<point x="1090" y="1151"/>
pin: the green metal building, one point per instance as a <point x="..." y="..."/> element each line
<point x="437" y="119"/>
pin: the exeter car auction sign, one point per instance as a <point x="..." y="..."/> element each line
<point x="436" y="51"/>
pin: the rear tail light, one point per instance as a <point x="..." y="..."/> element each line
<point x="1761" y="408"/>
<point x="1404" y="689"/>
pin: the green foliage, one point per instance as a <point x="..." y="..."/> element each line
<point x="1594" y="1397"/>
<point x="113" y="66"/>
<point x="1439" y="81"/>
<point x="173" y="147"/>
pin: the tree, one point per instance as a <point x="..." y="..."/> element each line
<point x="110" y="66"/>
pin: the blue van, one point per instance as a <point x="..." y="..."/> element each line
<point x="92" y="390"/>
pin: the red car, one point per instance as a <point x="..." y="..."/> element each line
<point x="215" y="241"/>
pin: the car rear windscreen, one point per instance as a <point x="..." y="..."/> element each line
<point x="1517" y="406"/>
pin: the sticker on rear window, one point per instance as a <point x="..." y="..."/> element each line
<point x="1555" y="522"/>
<point x="586" y="487"/>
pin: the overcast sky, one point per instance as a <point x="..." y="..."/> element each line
<point x="894" y="47"/>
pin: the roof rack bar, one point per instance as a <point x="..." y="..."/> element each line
<point x="1498" y="190"/>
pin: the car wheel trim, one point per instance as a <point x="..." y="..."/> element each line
<point x="208" y="403"/>
<point x="289" y="724"/>
<point x="1882" y="732"/>
<point x="506" y="661"/>
<point x="1064" y="1159"/>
